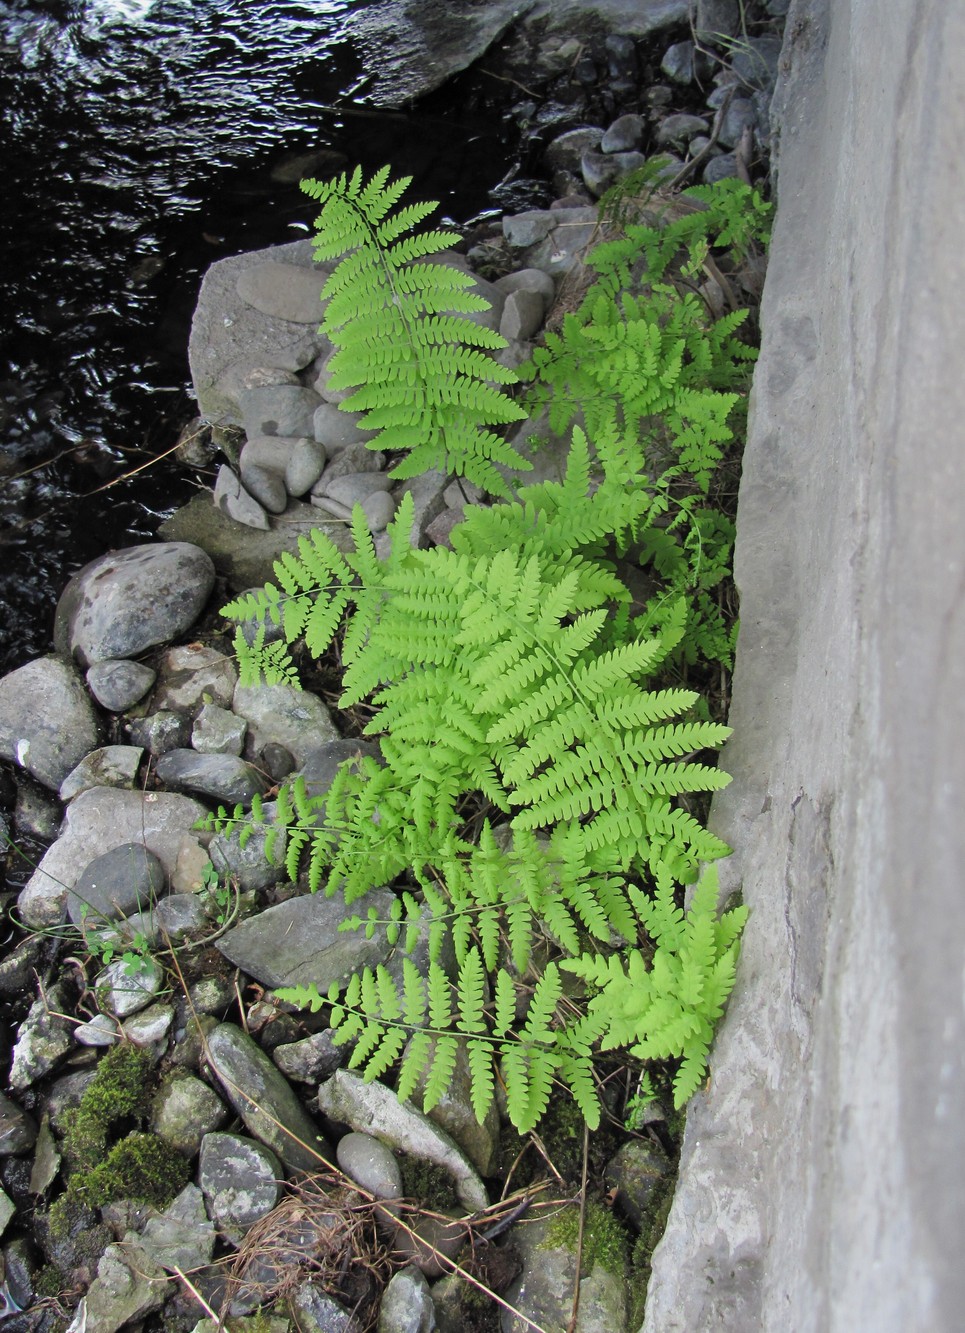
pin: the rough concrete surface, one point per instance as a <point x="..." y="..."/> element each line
<point x="823" y="1172"/>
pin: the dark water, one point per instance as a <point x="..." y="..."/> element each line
<point x="139" y="142"/>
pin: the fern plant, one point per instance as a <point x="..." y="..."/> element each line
<point x="536" y="772"/>
<point x="419" y="366"/>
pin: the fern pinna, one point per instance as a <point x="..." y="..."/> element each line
<point x="532" y="784"/>
<point x="420" y="368"/>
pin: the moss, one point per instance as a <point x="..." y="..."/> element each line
<point x="119" y="1091"/>
<point x="429" y="1185"/>
<point x="604" y="1240"/>
<point x="140" y="1167"/>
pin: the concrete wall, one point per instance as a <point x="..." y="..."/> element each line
<point x="823" y="1175"/>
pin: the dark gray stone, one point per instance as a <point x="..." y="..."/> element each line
<point x="264" y="1100"/>
<point x="624" y="135"/>
<point x="565" y="152"/>
<point x="522" y="314"/>
<point x="159" y="733"/>
<point x="335" y="429"/>
<point x="317" y="1312"/>
<point x="194" y="674"/>
<point x="370" y="1164"/>
<point x="379" y="510"/>
<point x="543" y="1292"/>
<point x="184" y="1110"/>
<point x="525" y="229"/>
<point x="218" y="731"/>
<point x="678" y="62"/>
<point x="717" y="18"/>
<point x="248" y="863"/>
<point x="223" y="777"/>
<point x="739" y="115"/>
<point x="601" y="171"/>
<point x="311" y="1059"/>
<point x="407" y="1304"/>
<point x="235" y="502"/>
<point x="179" y="915"/>
<point x="637" y="1172"/>
<point x="287" y="716"/>
<point x="119" y="685"/>
<point x="267" y="487"/>
<point x="130" y="600"/>
<point x="47" y="722"/>
<point x="354" y="458"/>
<point x="112" y="766"/>
<point x="755" y="61"/>
<point x="298" y="941"/>
<point x="43" y="1038"/>
<point x="677" y="131"/>
<point x="38" y="812"/>
<point x="18" y="1129"/>
<point x="180" y="1237"/>
<point x="126" y="879"/>
<point x="720" y="168"/>
<point x="305" y="466"/>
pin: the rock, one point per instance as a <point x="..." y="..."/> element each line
<point x="565" y="248"/>
<point x="276" y="761"/>
<point x="370" y="1164"/>
<point x="43" y="1038"/>
<point x="601" y="171"/>
<point x="18" y="1130"/>
<point x="118" y="685"/>
<point x="192" y="675"/>
<point x="372" y="1108"/>
<point x="130" y="600"/>
<point x="336" y="430"/>
<point x="379" y="509"/>
<point x="263" y="1099"/>
<point x="439" y="531"/>
<point x="129" y="1284"/>
<point x="181" y="1237"/>
<point x="353" y="487"/>
<point x="528" y="280"/>
<point x="280" y="713"/>
<point x="316" y="1312"/>
<point x="678" y="62"/>
<point x="47" y="1159"/>
<point x="149" y="1029"/>
<point x="99" y="820"/>
<point x="158" y="733"/>
<point x="305" y="466"/>
<point x="241" y="1181"/>
<point x="427" y="492"/>
<point x="280" y="409"/>
<point x="212" y="995"/>
<point x="407" y="1304"/>
<point x="180" y="915"/>
<point x="7" y="1210"/>
<point x="522" y="315"/>
<point x="720" y="168"/>
<point x="523" y="230"/>
<point x="223" y="777"/>
<point x="101" y="1031"/>
<point x="115" y="884"/>
<point x="47" y="723"/>
<point x="246" y="556"/>
<point x="38" y="813"/>
<point x="739" y="115"/>
<point x="111" y="766"/>
<point x="677" y="131"/>
<point x="717" y="18"/>
<point x="230" y="337"/>
<point x="271" y="453"/>
<point x="124" y="988"/>
<point x="311" y="1059"/>
<point x="637" y="1172"/>
<point x="429" y="1241"/>
<point x="564" y="154"/>
<point x="543" y="1292"/>
<point x="218" y="731"/>
<point x="265" y="486"/>
<point x="247" y="862"/>
<point x="755" y="61"/>
<point x="20" y="966"/>
<point x="624" y="135"/>
<point x="298" y="942"/>
<point x="354" y="458"/>
<point x="453" y="1113"/>
<point x="20" y="1264"/>
<point x="237" y="503"/>
<point x="184" y="1110"/>
<point x="284" y="291"/>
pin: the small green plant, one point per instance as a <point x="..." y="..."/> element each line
<point x="536" y="767"/>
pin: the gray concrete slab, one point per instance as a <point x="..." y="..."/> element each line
<point x="823" y="1173"/>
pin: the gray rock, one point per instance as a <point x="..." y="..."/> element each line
<point x="638" y="1173"/>
<point x="218" y="731"/>
<point x="372" y="1108"/>
<point x="755" y="61"/>
<point x="379" y="509"/>
<point x="264" y="1100"/>
<point x="247" y="862"/>
<point x="293" y="718"/>
<point x="677" y="131"/>
<point x="352" y="488"/>
<point x="739" y="115"/>
<point x="566" y="150"/>
<point x="265" y="486"/>
<point x="298" y="942"/>
<point x="354" y="458"/>
<point x="453" y="1113"/>
<point x="321" y="765"/>
<point x="523" y="313"/>
<point x="316" y="1312"/>
<point x="149" y="1029"/>
<point x="160" y="732"/>
<point x="184" y="1110"/>
<point x="717" y="18"/>
<point x="276" y="761"/>
<point x="124" y="988"/>
<point x="101" y="1031"/>
<point x="311" y="1059"/>
<point x="623" y="136"/>
<point x="212" y="995"/>
<point x="111" y="766"/>
<point x="336" y="429"/>
<point x="180" y="914"/>
<point x="223" y="777"/>
<point x="230" y="338"/>
<point x="525" y="229"/>
<point x="370" y="1164"/>
<point x="543" y="1292"/>
<point x="100" y="820"/>
<point x="305" y="466"/>
<point x="565" y="248"/>
<point x="246" y="556"/>
<point x="129" y="1285"/>
<point x="38" y="813"/>
<point x="528" y="280"/>
<point x="237" y="503"/>
<point x="181" y="1237"/>
<point x="130" y="600"/>
<point x="720" y="168"/>
<point x="407" y="1304"/>
<point x="321" y="383"/>
<point x="18" y="1129"/>
<point x="119" y="685"/>
<point x="43" y="1038"/>
<point x="439" y="531"/>
<point x="430" y="1241"/>
<point x="115" y="884"/>
<point x="280" y="409"/>
<point x="241" y="1181"/>
<point x="678" y="62"/>
<point x="284" y="291"/>
<point x="272" y="453"/>
<point x="7" y="1210"/>
<point x="601" y="171"/>
<point x="427" y="498"/>
<point x="47" y="722"/>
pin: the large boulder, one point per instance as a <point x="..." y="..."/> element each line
<point x="47" y="722"/>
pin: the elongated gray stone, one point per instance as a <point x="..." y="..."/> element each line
<point x="47" y="722"/>
<point x="223" y="777"/>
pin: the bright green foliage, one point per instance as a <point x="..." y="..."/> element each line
<point x="667" y="1005"/>
<point x="535" y="764"/>
<point x="420" y="367"/>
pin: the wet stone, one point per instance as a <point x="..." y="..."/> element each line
<point x="624" y="135"/>
<point x="43" y="1038"/>
<point x="118" y="685"/>
<point x="223" y="777"/>
<point x="603" y="170"/>
<point x="38" y="813"/>
<point x="637" y="1172"/>
<point x="241" y="1181"/>
<point x="124" y="880"/>
<point x="18" y="1129"/>
<point x="110" y="766"/>
<point x="740" y="115"/>
<point x="407" y="1304"/>
<point x="675" y="131"/>
<point x="565" y="151"/>
<point x="678" y="62"/>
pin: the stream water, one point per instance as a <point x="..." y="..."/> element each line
<point x="140" y="140"/>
